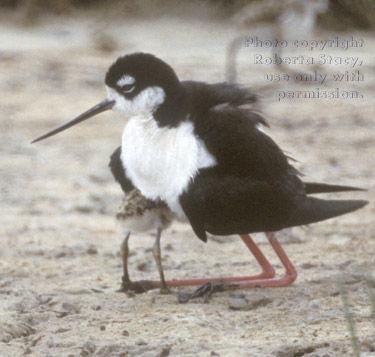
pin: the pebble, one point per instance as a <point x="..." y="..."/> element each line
<point x="111" y="350"/>
<point x="63" y="252"/>
<point x="308" y="265"/>
<point x="245" y="303"/>
<point x="88" y="348"/>
<point x="69" y="307"/>
<point x="44" y="299"/>
<point x="165" y="351"/>
<point x="143" y="267"/>
<point x="92" y="250"/>
<point x="140" y="342"/>
<point x="27" y="351"/>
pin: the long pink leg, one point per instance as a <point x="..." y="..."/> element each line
<point x="268" y="272"/>
<point x="286" y="280"/>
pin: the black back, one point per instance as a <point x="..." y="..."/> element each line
<point x="253" y="187"/>
<point x="232" y="134"/>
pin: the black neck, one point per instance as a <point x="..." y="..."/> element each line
<point x="174" y="109"/>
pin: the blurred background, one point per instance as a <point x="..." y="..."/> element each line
<point x="58" y="200"/>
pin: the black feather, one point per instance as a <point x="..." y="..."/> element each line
<point x="118" y="171"/>
<point x="223" y="204"/>
<point x="312" y="210"/>
<point x="314" y="187"/>
<point x="240" y="148"/>
<point x="203" y="96"/>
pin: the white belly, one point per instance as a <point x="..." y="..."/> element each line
<point x="160" y="162"/>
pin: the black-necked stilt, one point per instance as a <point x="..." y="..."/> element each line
<point x="209" y="162"/>
<point x="139" y="214"/>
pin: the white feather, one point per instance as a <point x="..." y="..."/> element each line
<point x="259" y="127"/>
<point x="125" y="80"/>
<point x="144" y="103"/>
<point x="161" y="161"/>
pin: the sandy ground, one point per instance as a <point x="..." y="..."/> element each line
<point x="59" y="258"/>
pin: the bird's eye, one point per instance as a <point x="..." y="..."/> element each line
<point x="128" y="88"/>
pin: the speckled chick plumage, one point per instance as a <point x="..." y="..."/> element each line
<point x="137" y="213"/>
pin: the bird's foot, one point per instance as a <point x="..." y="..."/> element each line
<point x="123" y="288"/>
<point x="205" y="291"/>
<point x="164" y="290"/>
<point x="137" y="287"/>
<point x="125" y="283"/>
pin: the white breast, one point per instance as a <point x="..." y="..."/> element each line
<point x="161" y="161"/>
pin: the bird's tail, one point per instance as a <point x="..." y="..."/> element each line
<point x="314" y="187"/>
<point x="314" y="210"/>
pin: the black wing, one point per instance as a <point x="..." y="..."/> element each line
<point x="240" y="148"/>
<point x="253" y="187"/>
<point x="118" y="171"/>
<point x="232" y="134"/>
<point x="225" y="205"/>
<point x="203" y="96"/>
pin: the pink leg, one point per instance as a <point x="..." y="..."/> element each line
<point x="268" y="272"/>
<point x="286" y="280"/>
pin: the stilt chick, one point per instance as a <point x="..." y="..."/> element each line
<point x="139" y="214"/>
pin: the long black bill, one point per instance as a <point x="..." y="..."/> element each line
<point x="101" y="107"/>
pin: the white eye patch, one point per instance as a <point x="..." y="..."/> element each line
<point x="128" y="88"/>
<point x="125" y="80"/>
<point x="144" y="103"/>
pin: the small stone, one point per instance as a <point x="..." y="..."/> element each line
<point x="88" y="348"/>
<point x="125" y="333"/>
<point x="213" y="353"/>
<point x="71" y="308"/>
<point x="346" y="263"/>
<point x="92" y="250"/>
<point x="165" y="351"/>
<point x="351" y="279"/>
<point x="308" y="265"/>
<point x="112" y="350"/>
<point x="140" y="342"/>
<point x="169" y="247"/>
<point x="84" y="208"/>
<point x="44" y="299"/>
<point x="299" y="350"/>
<point x="243" y="303"/>
<point x="102" y="328"/>
<point x="19" y="307"/>
<point x="63" y="252"/>
<point x="143" y="267"/>
<point x="51" y="343"/>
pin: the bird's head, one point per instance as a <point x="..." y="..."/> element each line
<point x="138" y="84"/>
